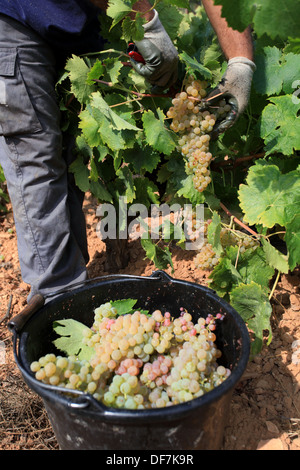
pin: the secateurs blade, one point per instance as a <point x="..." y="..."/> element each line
<point x="133" y="52"/>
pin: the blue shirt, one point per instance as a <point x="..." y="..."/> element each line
<point x="70" y="26"/>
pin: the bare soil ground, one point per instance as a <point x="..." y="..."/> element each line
<point x="265" y="409"/>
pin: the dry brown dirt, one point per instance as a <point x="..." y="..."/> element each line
<point x="265" y="408"/>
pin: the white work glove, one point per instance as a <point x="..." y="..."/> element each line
<point x="160" y="56"/>
<point x="234" y="87"/>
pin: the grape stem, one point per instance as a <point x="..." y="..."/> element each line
<point x="141" y="95"/>
<point x="106" y="51"/>
<point x="213" y="97"/>
<point x="237" y="221"/>
<point x="274" y="285"/>
<point x="237" y="256"/>
<point x="275" y="233"/>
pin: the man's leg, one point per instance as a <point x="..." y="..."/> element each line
<point x="31" y="156"/>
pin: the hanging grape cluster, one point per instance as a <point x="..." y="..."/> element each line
<point x="194" y="128"/>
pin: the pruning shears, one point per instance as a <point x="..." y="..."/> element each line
<point x="133" y="52"/>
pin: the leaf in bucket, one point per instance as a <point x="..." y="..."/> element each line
<point x="125" y="306"/>
<point x="70" y="341"/>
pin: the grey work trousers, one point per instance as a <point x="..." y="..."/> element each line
<point x="47" y="206"/>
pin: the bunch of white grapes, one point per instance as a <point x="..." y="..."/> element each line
<point x="141" y="361"/>
<point x="207" y="259"/>
<point x="194" y="128"/>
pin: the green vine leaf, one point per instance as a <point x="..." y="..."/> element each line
<point x="280" y="125"/>
<point x="161" y="258"/>
<point x="157" y="135"/>
<point x="96" y="71"/>
<point x="213" y="233"/>
<point x="269" y="195"/>
<point x="98" y="190"/>
<point x="142" y="157"/>
<point x="70" y="340"/>
<point x="187" y="189"/>
<point x="235" y="268"/>
<point x="252" y="265"/>
<point x="81" y="174"/>
<point x="123" y="306"/>
<point x="146" y="191"/>
<point x="252" y="303"/>
<point x="225" y="277"/>
<point x="133" y="29"/>
<point x="118" y="10"/>
<point x="112" y="68"/>
<point x="90" y="127"/>
<point x="267" y="77"/>
<point x="274" y="257"/>
<point x="292" y="238"/>
<point x="126" y="176"/>
<point x="193" y="65"/>
<point x="89" y="181"/>
<point x="116" y="121"/>
<point x="171" y="16"/>
<point x="79" y="74"/>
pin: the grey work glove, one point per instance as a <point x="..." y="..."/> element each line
<point x="160" y="56"/>
<point x="234" y="87"/>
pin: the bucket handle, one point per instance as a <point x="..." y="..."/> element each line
<point x="37" y="301"/>
<point x="34" y="304"/>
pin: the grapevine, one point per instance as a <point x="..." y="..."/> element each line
<point x="150" y="150"/>
<point x="141" y="361"/>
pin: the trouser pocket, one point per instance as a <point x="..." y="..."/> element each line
<point x="17" y="114"/>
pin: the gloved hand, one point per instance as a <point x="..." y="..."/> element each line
<point x="160" y="55"/>
<point x="235" y="88"/>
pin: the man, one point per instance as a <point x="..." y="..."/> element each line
<point x="34" y="37"/>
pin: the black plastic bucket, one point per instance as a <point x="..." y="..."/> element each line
<point x="82" y="423"/>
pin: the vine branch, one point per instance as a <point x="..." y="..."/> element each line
<point x="237" y="221"/>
